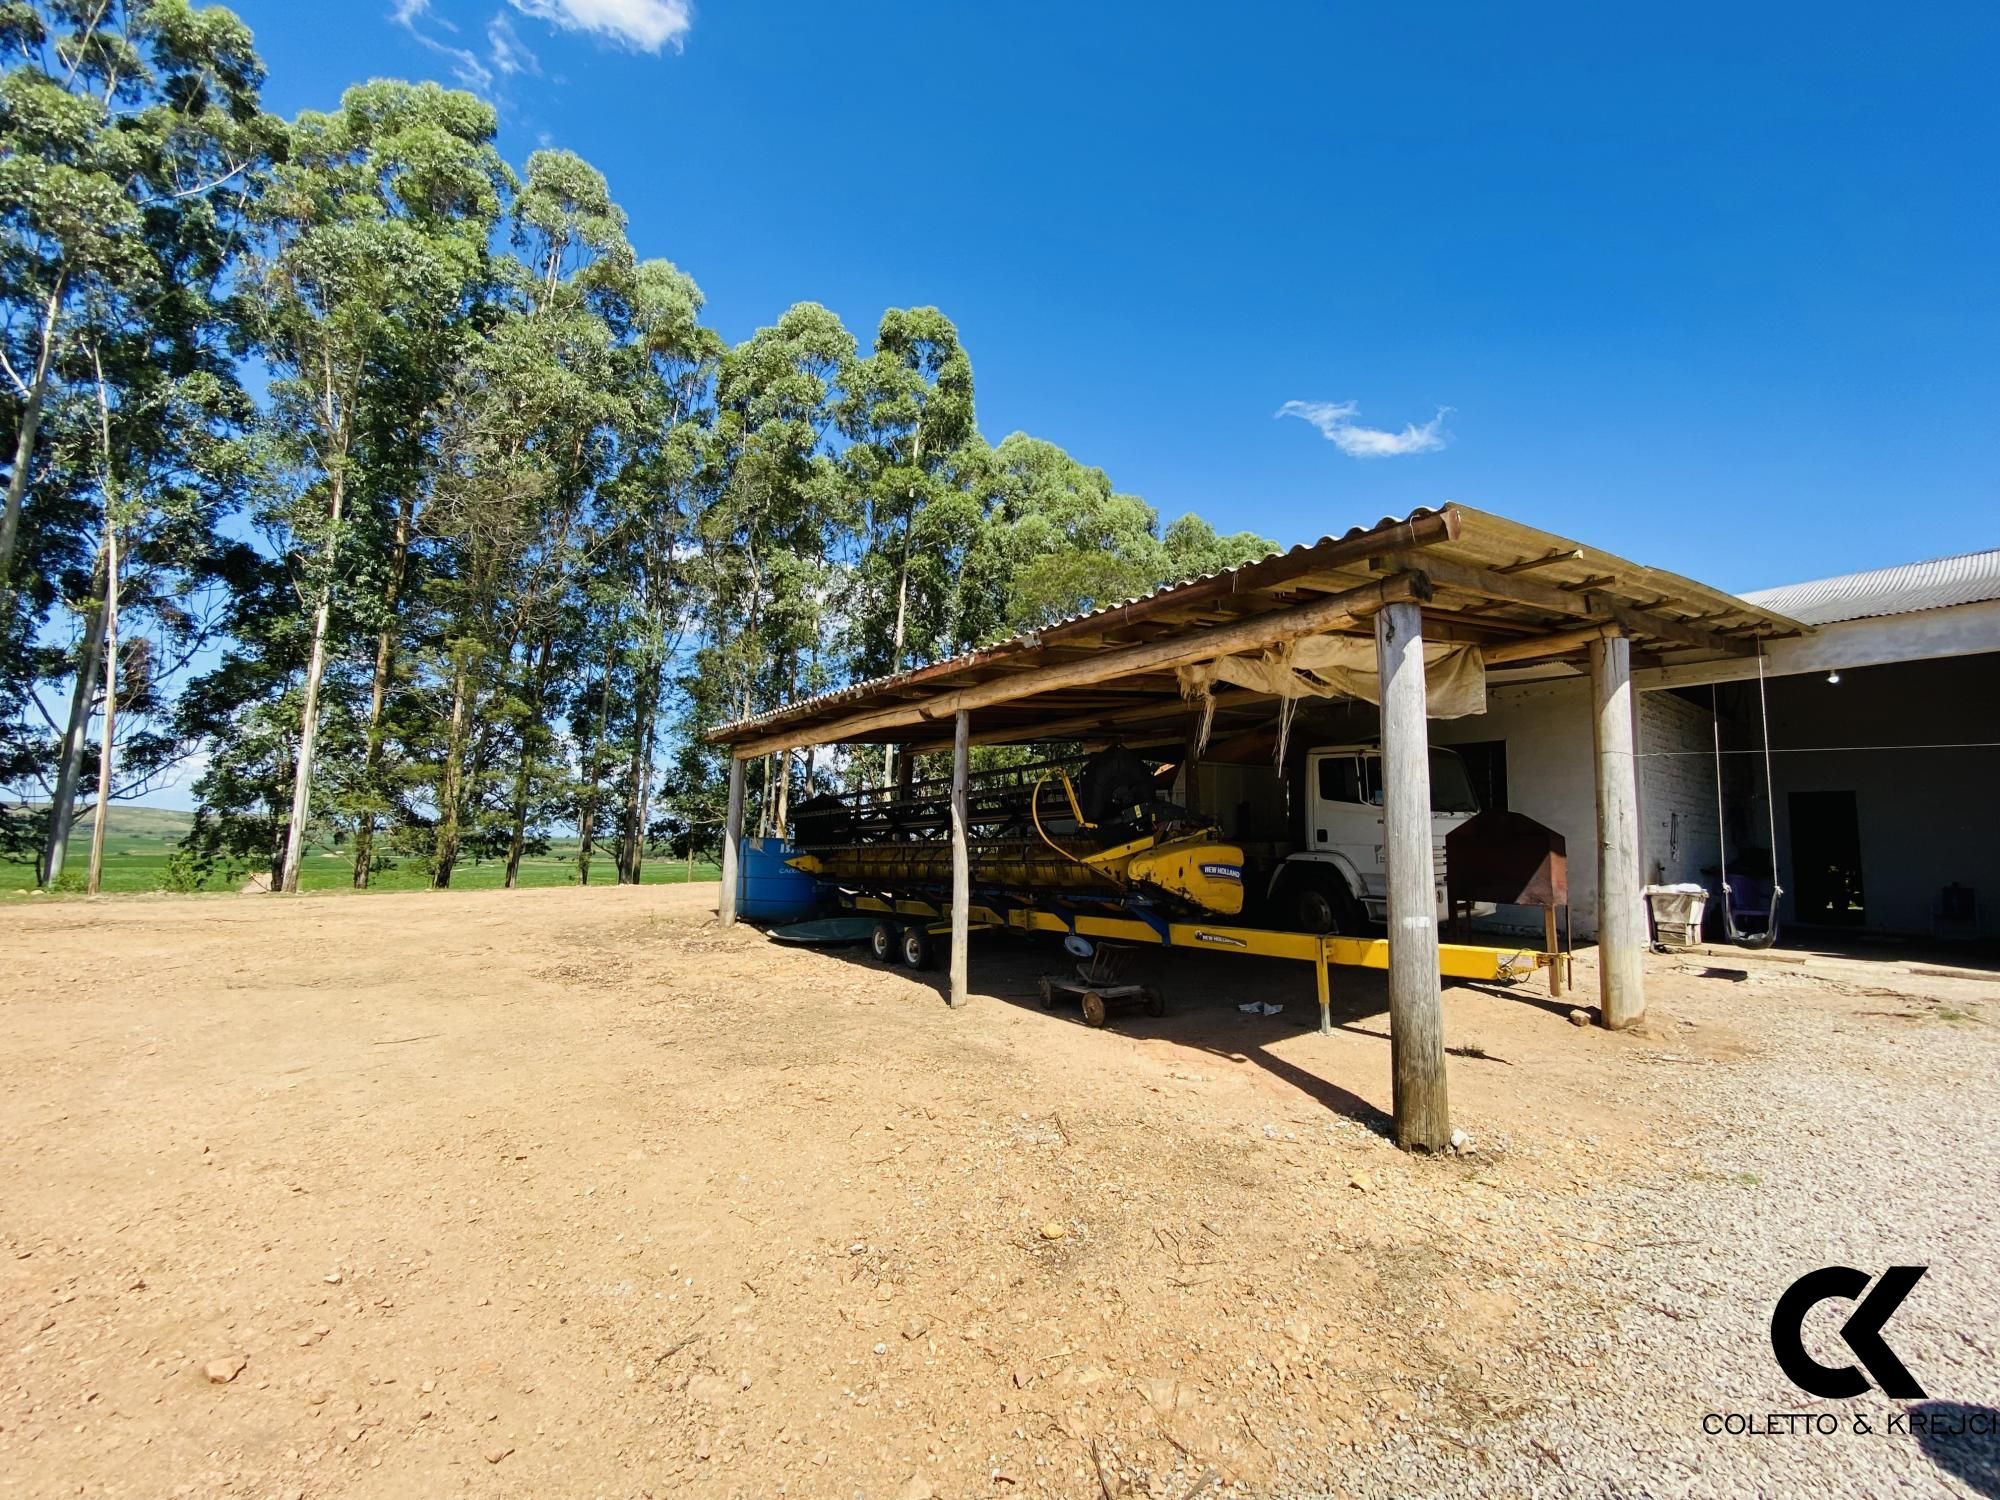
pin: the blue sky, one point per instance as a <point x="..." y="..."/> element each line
<point x="1713" y="286"/>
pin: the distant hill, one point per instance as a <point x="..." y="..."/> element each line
<point x="164" y="823"/>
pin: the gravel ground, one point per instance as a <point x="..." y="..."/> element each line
<point x="1864" y="1135"/>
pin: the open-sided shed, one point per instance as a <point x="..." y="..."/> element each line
<point x="1454" y="575"/>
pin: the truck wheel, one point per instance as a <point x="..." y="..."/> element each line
<point x="1325" y="906"/>
<point x="882" y="942"/>
<point x="917" y="949"/>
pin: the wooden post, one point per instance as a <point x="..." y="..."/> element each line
<point x="961" y="857"/>
<point x="1416" y="1009"/>
<point x="1621" y="920"/>
<point x="1554" y="953"/>
<point x="732" y="836"/>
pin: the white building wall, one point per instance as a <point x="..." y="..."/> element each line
<point x="1551" y="777"/>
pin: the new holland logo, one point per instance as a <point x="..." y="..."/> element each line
<point x="1218" y="938"/>
<point x="1223" y="872"/>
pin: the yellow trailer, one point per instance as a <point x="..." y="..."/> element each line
<point x="1455" y="960"/>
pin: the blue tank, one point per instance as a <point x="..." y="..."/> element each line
<point x="770" y="890"/>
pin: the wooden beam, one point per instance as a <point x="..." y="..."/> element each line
<point x="1538" y="647"/>
<point x="1277" y="572"/>
<point x="1584" y="605"/>
<point x="1529" y="564"/>
<point x="1157" y="656"/>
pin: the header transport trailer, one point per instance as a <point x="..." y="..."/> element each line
<point x="1411" y="614"/>
<point x="1105" y="855"/>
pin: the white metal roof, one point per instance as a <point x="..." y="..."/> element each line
<point x="1969" y="578"/>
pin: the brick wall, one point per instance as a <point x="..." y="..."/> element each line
<point x="1676" y="790"/>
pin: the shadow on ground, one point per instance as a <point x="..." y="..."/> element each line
<point x="1962" y="1440"/>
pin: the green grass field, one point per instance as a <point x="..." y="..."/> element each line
<point x="139" y="841"/>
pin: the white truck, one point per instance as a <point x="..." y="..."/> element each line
<point x="1336" y="879"/>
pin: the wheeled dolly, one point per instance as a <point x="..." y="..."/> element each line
<point x="1096" y="985"/>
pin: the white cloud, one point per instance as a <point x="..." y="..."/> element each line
<point x="643" y="25"/>
<point x="510" y="54"/>
<point x="1335" y="421"/>
<point x="414" y="15"/>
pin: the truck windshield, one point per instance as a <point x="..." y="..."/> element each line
<point x="1451" y="788"/>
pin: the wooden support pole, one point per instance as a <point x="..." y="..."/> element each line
<point x="961" y="857"/>
<point x="1621" y="919"/>
<point x="1416" y="1008"/>
<point x="732" y="838"/>
<point x="1554" y="953"/>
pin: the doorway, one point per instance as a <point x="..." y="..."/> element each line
<point x="1826" y="859"/>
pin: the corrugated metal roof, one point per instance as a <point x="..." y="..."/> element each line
<point x="1566" y="582"/>
<point x="1969" y="578"/>
<point x="1027" y="640"/>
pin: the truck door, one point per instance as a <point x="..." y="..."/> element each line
<point x="1344" y="813"/>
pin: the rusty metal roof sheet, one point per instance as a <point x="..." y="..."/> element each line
<point x="1941" y="583"/>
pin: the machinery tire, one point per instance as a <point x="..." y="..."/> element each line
<point x="1323" y="904"/>
<point x="1156" y="1003"/>
<point x="882" y="944"/>
<point x="1047" y="994"/>
<point x="915" y="947"/>
<point x="1094" y="1011"/>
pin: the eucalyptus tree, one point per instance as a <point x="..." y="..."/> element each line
<point x="666" y="479"/>
<point x="375" y="232"/>
<point x="909" y="415"/>
<point x="130" y="137"/>
<point x="775" y="538"/>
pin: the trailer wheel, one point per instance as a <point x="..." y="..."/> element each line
<point x="917" y="949"/>
<point x="1094" y="1013"/>
<point x="1322" y="903"/>
<point x="1156" y="1003"/>
<point x="1048" y="994"/>
<point x="882" y="942"/>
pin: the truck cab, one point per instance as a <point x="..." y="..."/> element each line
<point x="1337" y="879"/>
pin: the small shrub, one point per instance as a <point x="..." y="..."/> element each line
<point x="183" y="873"/>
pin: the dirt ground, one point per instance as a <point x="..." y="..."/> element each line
<point x="570" y="1192"/>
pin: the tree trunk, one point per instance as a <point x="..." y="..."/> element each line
<point x="449" y="796"/>
<point x="105" y="755"/>
<point x="378" y="693"/>
<point x="24" y="440"/>
<point x="295" y="832"/>
<point x="639" y="771"/>
<point x="524" y="777"/>
<point x="594" y="769"/>
<point x="76" y="735"/>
